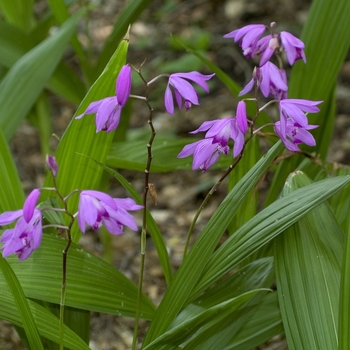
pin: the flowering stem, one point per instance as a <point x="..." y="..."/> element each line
<point x="208" y="196"/>
<point x="64" y="259"/>
<point x="144" y="218"/>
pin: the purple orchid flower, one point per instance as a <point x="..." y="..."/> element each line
<point x="221" y="130"/>
<point x="295" y="110"/>
<point x="205" y="153"/>
<point x="108" y="109"/>
<point x="293" y="47"/>
<point x="250" y="36"/>
<point x="27" y="233"/>
<point x="295" y="135"/>
<point x="184" y="90"/>
<point x="98" y="208"/>
<point x="272" y="81"/>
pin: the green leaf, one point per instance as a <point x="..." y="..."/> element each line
<point x="18" y="13"/>
<point x="259" y="274"/>
<point x="14" y="44"/>
<point x="344" y="302"/>
<point x="11" y="193"/>
<point x="264" y="323"/>
<point x="213" y="315"/>
<point x="308" y="263"/>
<point x="47" y="323"/>
<point x="27" y="77"/>
<point x="249" y="207"/>
<point x="92" y="284"/>
<point x="194" y="264"/>
<point x="80" y="138"/>
<point x="266" y="225"/>
<point x="22" y="305"/>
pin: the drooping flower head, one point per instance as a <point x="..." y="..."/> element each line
<point x="206" y="152"/>
<point x="295" y="135"/>
<point x="98" y="208"/>
<point x="184" y="90"/>
<point x="254" y="45"/>
<point x="272" y="81"/>
<point x="249" y="36"/>
<point x="293" y="47"/>
<point x="295" y="110"/>
<point x="108" y="109"/>
<point x="27" y="233"/>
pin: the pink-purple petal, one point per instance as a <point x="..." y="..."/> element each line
<point x="30" y="204"/>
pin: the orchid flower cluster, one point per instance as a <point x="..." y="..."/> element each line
<point x="95" y="209"/>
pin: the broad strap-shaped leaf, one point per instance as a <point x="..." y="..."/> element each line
<point x="22" y="305"/>
<point x="28" y="76"/>
<point x="80" y="138"/>
<point x="46" y="322"/>
<point x="202" y="316"/>
<point x="308" y="259"/>
<point x="11" y="193"/>
<point x="217" y="333"/>
<point x="194" y="264"/>
<point x="264" y="323"/>
<point x="14" y="44"/>
<point x="18" y="13"/>
<point x="92" y="284"/>
<point x="266" y="225"/>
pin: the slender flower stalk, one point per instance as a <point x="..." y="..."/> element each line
<point x="144" y="217"/>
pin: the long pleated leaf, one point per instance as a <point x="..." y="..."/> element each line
<point x="308" y="259"/>
<point x="194" y="263"/>
<point x="11" y="193"/>
<point x="80" y="138"/>
<point x="259" y="274"/>
<point x="266" y="225"/>
<point x="18" y="13"/>
<point x="92" y="284"/>
<point x="14" y="44"/>
<point x="28" y="76"/>
<point x="263" y="324"/>
<point x="22" y="305"/>
<point x="47" y="323"/>
<point x="211" y="315"/>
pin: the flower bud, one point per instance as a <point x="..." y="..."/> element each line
<point x="51" y="165"/>
<point x="123" y="85"/>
